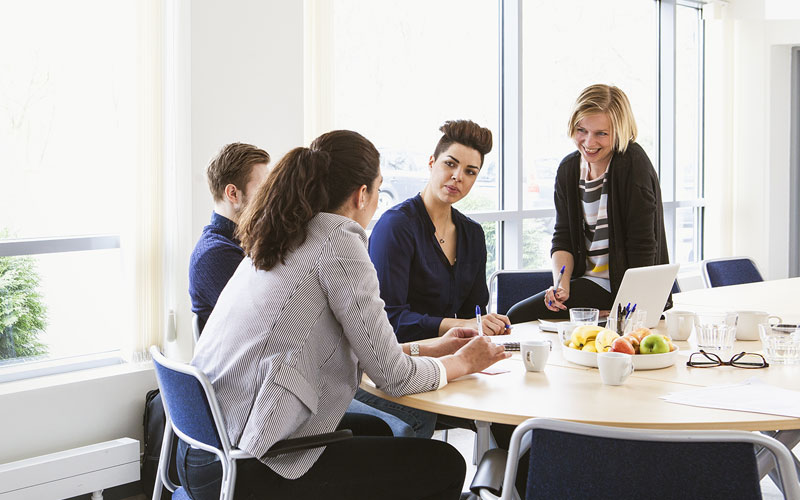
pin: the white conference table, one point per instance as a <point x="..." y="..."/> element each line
<point x="566" y="391"/>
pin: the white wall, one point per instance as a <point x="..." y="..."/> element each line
<point x="748" y="62"/>
<point x="245" y="82"/>
<point x="238" y="77"/>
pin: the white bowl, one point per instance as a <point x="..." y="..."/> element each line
<point x="640" y="361"/>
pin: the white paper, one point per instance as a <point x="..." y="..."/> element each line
<point x="752" y="395"/>
<point x="548" y="326"/>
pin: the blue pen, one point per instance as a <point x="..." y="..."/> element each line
<point x="478" y="317"/>
<point x="558" y="284"/>
<point x="631" y="311"/>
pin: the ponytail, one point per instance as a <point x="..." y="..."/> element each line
<point x="301" y="185"/>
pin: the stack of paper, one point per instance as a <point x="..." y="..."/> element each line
<point x="753" y="395"/>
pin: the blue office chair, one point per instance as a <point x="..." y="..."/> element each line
<point x="574" y="460"/>
<point x="513" y="286"/>
<point x="730" y="271"/>
<point x="193" y="414"/>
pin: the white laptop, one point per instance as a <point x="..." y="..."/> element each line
<point x="648" y="288"/>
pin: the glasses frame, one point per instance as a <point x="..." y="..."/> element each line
<point x="717" y="361"/>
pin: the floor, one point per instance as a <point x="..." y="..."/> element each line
<point x="462" y="439"/>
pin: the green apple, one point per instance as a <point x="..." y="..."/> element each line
<point x="654" y="344"/>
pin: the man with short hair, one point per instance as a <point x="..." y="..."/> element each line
<point x="234" y="175"/>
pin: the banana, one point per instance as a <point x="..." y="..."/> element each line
<point x="604" y="340"/>
<point x="583" y="334"/>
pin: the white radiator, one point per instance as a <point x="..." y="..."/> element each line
<point x="89" y="469"/>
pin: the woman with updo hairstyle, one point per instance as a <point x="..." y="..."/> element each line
<point x="295" y="326"/>
<point x="431" y="258"/>
<point x="609" y="216"/>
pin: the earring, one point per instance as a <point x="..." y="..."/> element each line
<point x="362" y="206"/>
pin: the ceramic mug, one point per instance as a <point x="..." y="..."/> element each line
<point x="679" y="324"/>
<point x="535" y="353"/>
<point x="614" y="367"/>
<point x="749" y="321"/>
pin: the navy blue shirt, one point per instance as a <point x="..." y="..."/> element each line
<point x="214" y="260"/>
<point x="418" y="284"/>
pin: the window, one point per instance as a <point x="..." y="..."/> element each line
<point x="74" y="120"/>
<point x="394" y="71"/>
<point x="424" y="63"/>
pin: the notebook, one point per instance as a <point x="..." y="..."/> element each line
<point x="648" y="288"/>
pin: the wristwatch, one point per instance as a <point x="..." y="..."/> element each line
<point x="414" y="349"/>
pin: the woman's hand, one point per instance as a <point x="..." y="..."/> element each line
<point x="554" y="299"/>
<point x="477" y="355"/>
<point x="450" y="342"/>
<point x="495" y="324"/>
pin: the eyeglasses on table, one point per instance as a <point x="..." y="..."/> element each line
<point x="705" y="359"/>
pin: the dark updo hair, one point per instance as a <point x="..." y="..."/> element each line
<point x="464" y="132"/>
<point x="305" y="182"/>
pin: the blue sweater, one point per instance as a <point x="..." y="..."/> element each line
<point x="418" y="284"/>
<point x="214" y="260"/>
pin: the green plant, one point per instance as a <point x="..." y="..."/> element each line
<point x="22" y="311"/>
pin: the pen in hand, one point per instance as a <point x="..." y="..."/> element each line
<point x="478" y="318"/>
<point x="558" y="284"/>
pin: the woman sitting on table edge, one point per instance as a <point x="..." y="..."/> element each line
<point x="609" y="215"/>
<point x="431" y="258"/>
<point x="295" y="326"/>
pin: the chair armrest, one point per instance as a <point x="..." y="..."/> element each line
<point x="307" y="442"/>
<point x="490" y="472"/>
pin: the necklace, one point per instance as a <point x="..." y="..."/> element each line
<point x="437" y="236"/>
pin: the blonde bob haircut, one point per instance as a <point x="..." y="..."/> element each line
<point x="614" y="103"/>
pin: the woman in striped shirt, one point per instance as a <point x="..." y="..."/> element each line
<point x="609" y="215"/>
<point x="295" y="326"/>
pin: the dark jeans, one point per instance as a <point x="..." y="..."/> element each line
<point x="422" y="422"/>
<point x="582" y="293"/>
<point x="370" y="465"/>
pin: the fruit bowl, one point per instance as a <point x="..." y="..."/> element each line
<point x="640" y="361"/>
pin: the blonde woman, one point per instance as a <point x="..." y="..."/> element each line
<point x="609" y="216"/>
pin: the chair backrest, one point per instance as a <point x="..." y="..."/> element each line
<point x="730" y="271"/>
<point x="572" y="460"/>
<point x="513" y="286"/>
<point x="190" y="403"/>
<point x="676" y="288"/>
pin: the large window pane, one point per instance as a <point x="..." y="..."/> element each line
<point x="70" y="129"/>
<point x="67" y="119"/>
<point x="537" y="236"/>
<point x="687" y="103"/>
<point x="567" y="46"/>
<point x="395" y="71"/>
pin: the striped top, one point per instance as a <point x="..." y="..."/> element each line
<point x="284" y="348"/>
<point x="594" y="198"/>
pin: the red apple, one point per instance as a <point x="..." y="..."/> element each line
<point x="634" y="340"/>
<point x="622" y="345"/>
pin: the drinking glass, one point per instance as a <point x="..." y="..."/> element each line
<point x="715" y="332"/>
<point x="584" y="315"/>
<point x="780" y="343"/>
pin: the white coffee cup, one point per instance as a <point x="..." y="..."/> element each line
<point x="535" y="354"/>
<point x="614" y="367"/>
<point x="680" y="323"/>
<point x="749" y="321"/>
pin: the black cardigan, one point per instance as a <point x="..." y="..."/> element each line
<point x="636" y="235"/>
